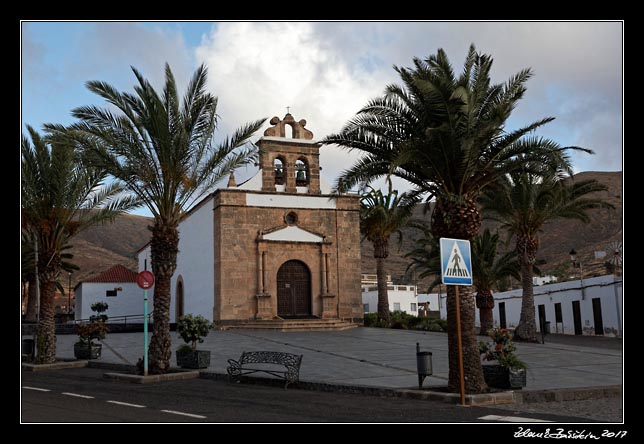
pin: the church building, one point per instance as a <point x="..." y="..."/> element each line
<point x="278" y="246"/>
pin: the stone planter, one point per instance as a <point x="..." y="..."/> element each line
<point x="193" y="359"/>
<point x="82" y="352"/>
<point x="500" y="377"/>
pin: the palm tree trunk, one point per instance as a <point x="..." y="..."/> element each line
<point x="383" y="296"/>
<point x="46" y="338"/>
<point x="380" y="252"/>
<point x="474" y="382"/>
<point x="164" y="247"/>
<point x="485" y="304"/>
<point x="32" y="308"/>
<point x="527" y="328"/>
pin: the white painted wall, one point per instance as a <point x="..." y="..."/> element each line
<point x="602" y="287"/>
<point x="405" y="295"/>
<point x="196" y="264"/>
<point x="128" y="301"/>
<point x="289" y="201"/>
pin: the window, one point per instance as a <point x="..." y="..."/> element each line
<point x="279" y="171"/>
<point x="301" y="173"/>
<point x="365" y="307"/>
<point x="110" y="293"/>
<point x="413" y="306"/>
<point x="290" y="218"/>
<point x="396" y="306"/>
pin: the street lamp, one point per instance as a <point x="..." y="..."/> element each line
<point x="69" y="293"/>
<point x="576" y="263"/>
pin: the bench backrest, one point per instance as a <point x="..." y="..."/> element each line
<point x="289" y="360"/>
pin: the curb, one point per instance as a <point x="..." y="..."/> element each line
<point x="54" y="366"/>
<point x="138" y="379"/>
<point x="569" y="394"/>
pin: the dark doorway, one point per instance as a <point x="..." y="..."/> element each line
<point x="542" y="316"/>
<point x="293" y="290"/>
<point x="502" y="315"/>
<point x="597" y="315"/>
<point x="576" y="316"/>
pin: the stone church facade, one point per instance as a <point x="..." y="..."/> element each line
<point x="281" y="246"/>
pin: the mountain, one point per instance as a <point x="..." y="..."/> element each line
<point x="102" y="246"/>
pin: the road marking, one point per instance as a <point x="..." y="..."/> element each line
<point x="127" y="404"/>
<point x="77" y="395"/>
<point x="512" y="419"/>
<point x="35" y="388"/>
<point x="184" y="414"/>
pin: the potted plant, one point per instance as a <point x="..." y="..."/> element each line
<point x="193" y="329"/>
<point x="86" y="348"/>
<point x="99" y="308"/>
<point x="509" y="371"/>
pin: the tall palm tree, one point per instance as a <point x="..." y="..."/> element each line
<point x="488" y="269"/>
<point x="381" y="216"/>
<point x="524" y="203"/>
<point x="161" y="147"/>
<point x="445" y="134"/>
<point x="61" y="196"/>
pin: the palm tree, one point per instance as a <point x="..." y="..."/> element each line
<point x="524" y="203"/>
<point x="488" y="269"/>
<point x="61" y="196"/>
<point x="28" y="272"/>
<point x="381" y="216"/>
<point x="445" y="134"/>
<point x="161" y="147"/>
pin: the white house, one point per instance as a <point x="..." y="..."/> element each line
<point x="593" y="307"/>
<point x="115" y="286"/>
<point x="401" y="297"/>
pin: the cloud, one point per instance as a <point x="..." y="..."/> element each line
<point x="258" y="69"/>
<point x="326" y="71"/>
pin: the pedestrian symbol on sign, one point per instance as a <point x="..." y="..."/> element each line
<point x="456" y="263"/>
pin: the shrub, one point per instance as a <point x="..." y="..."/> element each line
<point x="193" y="329"/>
<point x="370" y="319"/>
<point x="99" y="307"/>
<point x="500" y="349"/>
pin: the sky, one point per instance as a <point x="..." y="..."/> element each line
<point x="326" y="71"/>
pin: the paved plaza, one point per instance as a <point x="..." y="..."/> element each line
<point x="383" y="357"/>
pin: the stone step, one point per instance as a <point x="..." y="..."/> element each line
<point x="296" y="325"/>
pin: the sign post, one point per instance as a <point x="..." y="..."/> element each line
<point x="456" y="269"/>
<point x="145" y="280"/>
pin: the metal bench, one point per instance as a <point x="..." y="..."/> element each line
<point x="244" y="366"/>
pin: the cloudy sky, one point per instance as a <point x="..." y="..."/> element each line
<point x="325" y="71"/>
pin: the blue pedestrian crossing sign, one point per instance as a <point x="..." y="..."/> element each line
<point x="456" y="261"/>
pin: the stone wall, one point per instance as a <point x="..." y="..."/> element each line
<point x="238" y="258"/>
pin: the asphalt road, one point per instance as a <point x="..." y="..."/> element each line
<point x="82" y="395"/>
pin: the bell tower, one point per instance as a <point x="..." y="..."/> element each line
<point x="289" y="164"/>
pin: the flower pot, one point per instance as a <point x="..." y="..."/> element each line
<point x="500" y="377"/>
<point x="193" y="358"/>
<point x="81" y="351"/>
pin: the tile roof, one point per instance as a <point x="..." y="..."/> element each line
<point x="118" y="273"/>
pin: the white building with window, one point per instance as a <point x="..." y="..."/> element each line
<point x="116" y="287"/>
<point x="401" y="297"/>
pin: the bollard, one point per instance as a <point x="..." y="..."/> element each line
<point x="424" y="365"/>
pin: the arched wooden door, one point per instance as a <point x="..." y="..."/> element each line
<point x="293" y="290"/>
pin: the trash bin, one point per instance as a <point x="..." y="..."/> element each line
<point x="28" y="347"/>
<point x="546" y="327"/>
<point x="423" y="364"/>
